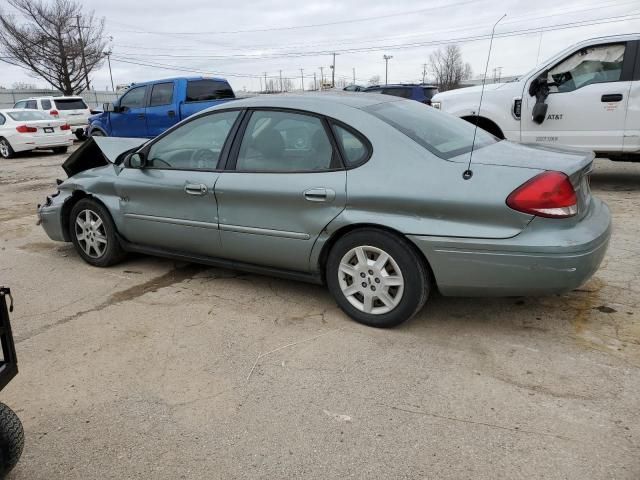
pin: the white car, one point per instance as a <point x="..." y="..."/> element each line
<point x="586" y="97"/>
<point x="24" y="130"/>
<point x="73" y="110"/>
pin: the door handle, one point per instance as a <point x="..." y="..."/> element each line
<point x="196" y="189"/>
<point x="612" y="97"/>
<point x="319" y="195"/>
<point x="171" y="113"/>
<point x="141" y="115"/>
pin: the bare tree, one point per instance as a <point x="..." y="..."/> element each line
<point x="55" y="42"/>
<point x="448" y="68"/>
<point x="23" y="86"/>
<point x="375" y="80"/>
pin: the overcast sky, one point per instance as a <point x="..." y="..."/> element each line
<point x="224" y="38"/>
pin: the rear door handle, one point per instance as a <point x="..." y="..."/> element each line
<point x="319" y="195"/>
<point x="612" y="97"/>
<point x="195" y="189"/>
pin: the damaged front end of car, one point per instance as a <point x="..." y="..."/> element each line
<point x="84" y="168"/>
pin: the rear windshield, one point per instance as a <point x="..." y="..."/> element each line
<point x="70" y="104"/>
<point x="29" y="115"/>
<point x="442" y="134"/>
<point x="202" y="90"/>
<point x="429" y="92"/>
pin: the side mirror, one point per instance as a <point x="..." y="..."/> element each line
<point x="137" y="160"/>
<point x="107" y="107"/>
<point x="539" y="112"/>
<point x="538" y="82"/>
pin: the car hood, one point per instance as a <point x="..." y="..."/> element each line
<point x="99" y="151"/>
<point x="475" y="91"/>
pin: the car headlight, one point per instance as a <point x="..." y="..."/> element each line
<point x="437" y="105"/>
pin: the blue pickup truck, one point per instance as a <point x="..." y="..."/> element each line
<point x="148" y="109"/>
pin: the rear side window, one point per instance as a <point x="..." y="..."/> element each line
<point x="161" y="94"/>
<point x="31" y="105"/>
<point x="354" y="150"/>
<point x="70" y="104"/>
<point x="443" y="135"/>
<point x="398" y="92"/>
<point x="46" y="104"/>
<point x="202" y="90"/>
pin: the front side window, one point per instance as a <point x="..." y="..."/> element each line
<point x="161" y="94"/>
<point x="285" y="142"/>
<point x="134" y="98"/>
<point x="46" y="104"/>
<point x="21" y="104"/>
<point x="442" y="134"/>
<point x="32" y="105"/>
<point x="354" y="151"/>
<point x="202" y="90"/>
<point x="2" y="119"/>
<point x="196" y="145"/>
<point x="598" y="64"/>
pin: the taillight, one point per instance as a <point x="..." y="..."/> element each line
<point x="66" y="126"/>
<point x="54" y="113"/>
<point x="549" y="194"/>
<point x="25" y="129"/>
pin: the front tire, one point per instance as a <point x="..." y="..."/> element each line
<point x="6" y="151"/>
<point x="377" y="278"/>
<point x="93" y="233"/>
<point x="11" y="439"/>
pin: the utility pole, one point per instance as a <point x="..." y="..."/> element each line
<point x="333" y="71"/>
<point x="386" y="68"/>
<point x="84" y="60"/>
<point x="354" y="75"/>
<point x="499" y="74"/>
<point x="302" y="78"/>
<point x="424" y="72"/>
<point x="315" y="84"/>
<point x="108" y="54"/>
<point x="281" y="81"/>
<point x="321" y="78"/>
<point x="265" y="82"/>
<point x="260" y="78"/>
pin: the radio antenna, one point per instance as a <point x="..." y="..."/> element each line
<point x="467" y="174"/>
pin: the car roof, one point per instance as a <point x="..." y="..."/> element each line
<point x="310" y="101"/>
<point x="173" y="79"/>
<point x="50" y="97"/>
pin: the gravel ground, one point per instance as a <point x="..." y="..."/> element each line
<point x="164" y="370"/>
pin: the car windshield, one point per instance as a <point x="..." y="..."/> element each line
<point x="442" y="134"/>
<point x="70" y="104"/>
<point x="29" y="115"/>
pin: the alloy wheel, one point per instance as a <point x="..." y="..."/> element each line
<point x="371" y="280"/>
<point x="4" y="148"/>
<point x="90" y="233"/>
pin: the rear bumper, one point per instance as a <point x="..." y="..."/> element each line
<point x="541" y="260"/>
<point x="24" y="143"/>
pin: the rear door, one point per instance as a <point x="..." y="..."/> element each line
<point x="285" y="184"/>
<point x="131" y="120"/>
<point x="588" y="100"/>
<point x="170" y="204"/>
<point x="161" y="112"/>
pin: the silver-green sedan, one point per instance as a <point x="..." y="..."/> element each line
<point x="372" y="195"/>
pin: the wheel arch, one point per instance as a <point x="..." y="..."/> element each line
<point x="486" y="124"/>
<point x="342" y="231"/>
<point x="75" y="197"/>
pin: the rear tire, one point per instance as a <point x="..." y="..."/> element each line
<point x="377" y="278"/>
<point x="93" y="233"/>
<point x="60" y="150"/>
<point x="11" y="439"/>
<point x="80" y="136"/>
<point x="5" y="149"/>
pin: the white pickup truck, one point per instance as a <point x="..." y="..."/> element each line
<point x="587" y="97"/>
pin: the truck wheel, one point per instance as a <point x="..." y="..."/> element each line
<point x="11" y="439"/>
<point x="80" y="135"/>
<point x="5" y="149"/>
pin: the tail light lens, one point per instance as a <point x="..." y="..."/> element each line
<point x="549" y="194"/>
<point x="55" y="113"/>
<point x="25" y="129"/>
<point x="65" y="127"/>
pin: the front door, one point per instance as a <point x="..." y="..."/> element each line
<point x="170" y="203"/>
<point x="131" y="120"/>
<point x="286" y="184"/>
<point x="587" y="103"/>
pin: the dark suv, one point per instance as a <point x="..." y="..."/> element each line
<point x="420" y="93"/>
